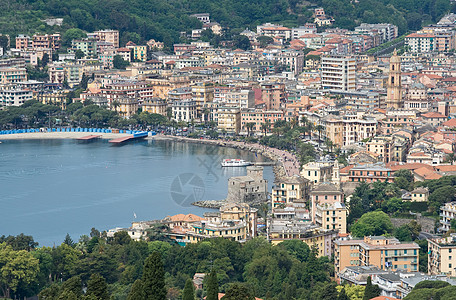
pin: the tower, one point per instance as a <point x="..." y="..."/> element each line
<point x="394" y="96"/>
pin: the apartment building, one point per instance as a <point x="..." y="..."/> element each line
<point x="12" y="75"/>
<point x="107" y="35"/>
<point x="387" y="32"/>
<point x="288" y="190"/>
<point x="332" y="216"/>
<point x="184" y="110"/>
<point x="259" y="117"/>
<point x="154" y="106"/>
<point x="311" y="234"/>
<point x="130" y="89"/>
<point x="202" y="93"/>
<point x="138" y="52"/>
<point x="447" y="213"/>
<point x="88" y="46"/>
<point x="241" y="98"/>
<point x="382" y="146"/>
<point x="46" y="41"/>
<point x="273" y="30"/>
<point x="347" y="131"/>
<point x="324" y="193"/>
<point x="442" y="256"/>
<point x="273" y="95"/>
<point x="14" y="97"/>
<point x="420" y="42"/>
<point x="229" y="119"/>
<point x="370" y="173"/>
<point x="338" y="73"/>
<point x="318" y="172"/>
<point x="361" y="100"/>
<point x="379" y="251"/>
<point x="23" y="42"/>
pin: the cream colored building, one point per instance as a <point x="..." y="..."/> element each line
<point x="202" y="93"/>
<point x="420" y="194"/>
<point x="317" y="172"/>
<point x="447" y="213"/>
<point x="229" y="120"/>
<point x="155" y="106"/>
<point x="12" y="75"/>
<point x="344" y="132"/>
<point x="381" y="146"/>
<point x="332" y="216"/>
<point x="288" y="190"/>
<point x="139" y="52"/>
<point x="108" y="36"/>
<point x="442" y="256"/>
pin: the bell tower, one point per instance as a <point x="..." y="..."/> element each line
<point x="394" y="96"/>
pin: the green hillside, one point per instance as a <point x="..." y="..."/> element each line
<point x="163" y="20"/>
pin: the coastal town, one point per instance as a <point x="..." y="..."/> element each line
<point x="359" y="126"/>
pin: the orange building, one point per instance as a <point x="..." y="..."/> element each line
<point x="379" y="251"/>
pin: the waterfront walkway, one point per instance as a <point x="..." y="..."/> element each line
<point x="289" y="161"/>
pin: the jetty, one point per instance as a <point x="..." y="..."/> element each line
<point x="88" y="138"/>
<point x="139" y="135"/>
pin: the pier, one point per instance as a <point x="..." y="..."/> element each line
<point x="88" y="138"/>
<point x="264" y="163"/>
<point x="139" y="135"/>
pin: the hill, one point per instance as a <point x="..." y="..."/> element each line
<point x="163" y="20"/>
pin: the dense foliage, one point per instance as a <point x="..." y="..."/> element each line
<point x="116" y="268"/>
<point x="428" y="290"/>
<point x="140" y="21"/>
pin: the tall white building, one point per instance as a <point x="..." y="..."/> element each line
<point x="338" y="73"/>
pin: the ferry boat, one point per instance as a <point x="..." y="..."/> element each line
<point x="235" y="163"/>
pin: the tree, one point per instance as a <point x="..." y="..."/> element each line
<point x="122" y="238"/>
<point x="119" y="63"/>
<point x="97" y="287"/>
<point x="265" y="40"/>
<point x="372" y="223"/>
<point x="72" y="34"/>
<point x="189" y="291"/>
<point x="342" y="295"/>
<point x="404" y="179"/>
<point x="154" y="278"/>
<point x="79" y="54"/>
<point x="441" y="196"/>
<point x="16" y="268"/>
<point x="137" y="291"/>
<point x="212" y="286"/>
<point x="45" y="60"/>
<point x="69" y="241"/>
<point x="371" y="290"/>
<point x="242" y="42"/>
<point x="238" y="291"/>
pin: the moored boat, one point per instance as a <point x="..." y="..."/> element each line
<point x="235" y="163"/>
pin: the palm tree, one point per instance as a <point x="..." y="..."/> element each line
<point x="249" y="126"/>
<point x="451" y="158"/>
<point x="115" y="104"/>
<point x="206" y="112"/>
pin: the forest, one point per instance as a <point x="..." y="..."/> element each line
<point x="161" y="20"/>
<point x="97" y="267"/>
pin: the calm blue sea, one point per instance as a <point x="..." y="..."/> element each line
<point x="49" y="188"/>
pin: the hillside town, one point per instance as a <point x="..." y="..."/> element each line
<point x="378" y="109"/>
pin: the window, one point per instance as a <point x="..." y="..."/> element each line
<point x="449" y="265"/>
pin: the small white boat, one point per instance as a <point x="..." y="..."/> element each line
<point x="235" y="163"/>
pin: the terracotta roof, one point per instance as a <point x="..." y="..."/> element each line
<point x="421" y="35"/>
<point x="449" y="79"/>
<point x="123" y="50"/>
<point x="450" y="123"/>
<point x="185" y="218"/>
<point x="433" y="115"/>
<point x="446" y="168"/>
<point x="346" y="169"/>
<point x="412" y="166"/>
<point x="220" y="296"/>
<point x="425" y="173"/>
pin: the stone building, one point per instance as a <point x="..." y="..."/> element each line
<point x="252" y="188"/>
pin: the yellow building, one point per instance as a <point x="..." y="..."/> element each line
<point x="332" y="216"/>
<point x="442" y="256"/>
<point x="317" y="172"/>
<point x="139" y="52"/>
<point x="202" y="93"/>
<point x="289" y="190"/>
<point x="229" y="120"/>
<point x="379" y="251"/>
<point x="126" y="107"/>
<point x="381" y="146"/>
<point x="155" y="106"/>
<point x="344" y="132"/>
<point x="420" y="194"/>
